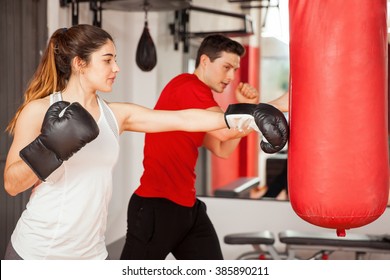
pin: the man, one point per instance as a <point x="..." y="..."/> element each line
<point x="164" y="215"/>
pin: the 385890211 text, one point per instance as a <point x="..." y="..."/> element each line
<point x="241" y="270"/>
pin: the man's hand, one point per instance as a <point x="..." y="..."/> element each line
<point x="245" y="93"/>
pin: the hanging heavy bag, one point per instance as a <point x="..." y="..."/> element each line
<point x="146" y="56"/>
<point x="338" y="168"/>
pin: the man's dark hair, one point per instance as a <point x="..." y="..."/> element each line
<point x="214" y="45"/>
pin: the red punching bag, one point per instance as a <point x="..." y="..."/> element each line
<point x="338" y="170"/>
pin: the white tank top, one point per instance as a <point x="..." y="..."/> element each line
<point x="66" y="216"/>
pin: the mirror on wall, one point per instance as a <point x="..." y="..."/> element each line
<point x="272" y="180"/>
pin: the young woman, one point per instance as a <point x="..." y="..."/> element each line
<point x="66" y="145"/>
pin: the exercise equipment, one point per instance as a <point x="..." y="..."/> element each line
<point x="146" y="54"/>
<point x="338" y="169"/>
<point x="323" y="244"/>
<point x="326" y="243"/>
<point x="239" y="188"/>
<point x="261" y="241"/>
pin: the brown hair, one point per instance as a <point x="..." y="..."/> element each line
<point x="214" y="45"/>
<point x="55" y="67"/>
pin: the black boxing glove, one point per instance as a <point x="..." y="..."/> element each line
<point x="240" y="116"/>
<point x="274" y="127"/>
<point x="263" y="118"/>
<point x="66" y="129"/>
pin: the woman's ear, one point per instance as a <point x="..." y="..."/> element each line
<point x="78" y="64"/>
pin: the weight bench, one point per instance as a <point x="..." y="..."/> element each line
<point x="325" y="243"/>
<point x="262" y="243"/>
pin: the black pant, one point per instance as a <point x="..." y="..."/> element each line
<point x="157" y="227"/>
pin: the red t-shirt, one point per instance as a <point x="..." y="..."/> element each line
<point x="170" y="157"/>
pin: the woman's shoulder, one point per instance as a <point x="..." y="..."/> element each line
<point x="31" y="116"/>
<point x="38" y="105"/>
<point x="36" y="108"/>
<point x="120" y="108"/>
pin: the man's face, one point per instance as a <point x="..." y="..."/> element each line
<point x="219" y="73"/>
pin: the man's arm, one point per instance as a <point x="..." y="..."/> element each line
<point x="282" y="102"/>
<point x="222" y="142"/>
